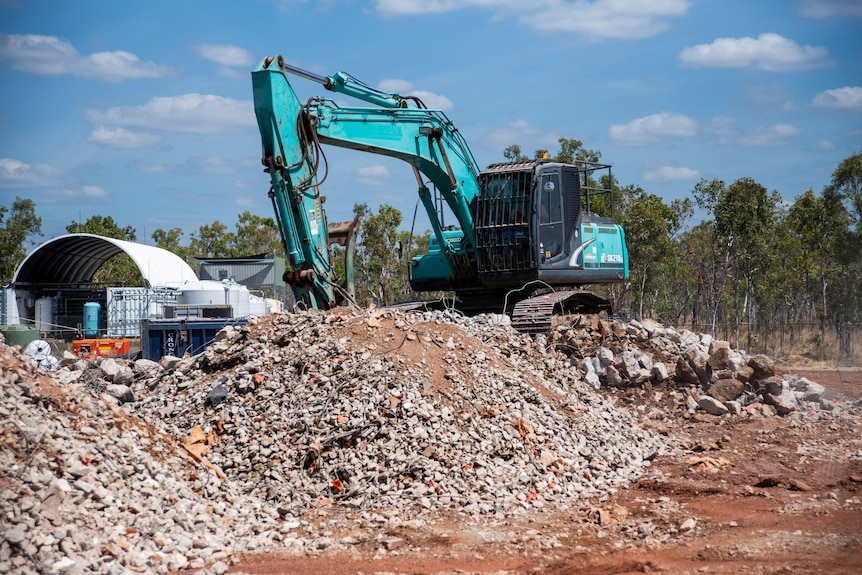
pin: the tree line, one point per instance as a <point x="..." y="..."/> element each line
<point x="756" y="267"/>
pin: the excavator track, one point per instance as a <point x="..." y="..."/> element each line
<point x="534" y="314"/>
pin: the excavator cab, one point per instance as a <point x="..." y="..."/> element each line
<point x="534" y="223"/>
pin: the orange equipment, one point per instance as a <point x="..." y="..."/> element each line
<point x="90" y="349"/>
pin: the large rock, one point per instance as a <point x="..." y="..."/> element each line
<point x="109" y="368"/>
<point x="720" y="355"/>
<point x="763" y="366"/>
<point x="146" y="367"/>
<point x="606" y="356"/>
<point x="613" y="377"/>
<point x="685" y="373"/>
<point x="726" y="389"/>
<point x="777" y="393"/>
<point x="659" y="372"/>
<point x="806" y="390"/>
<point x="652" y="327"/>
<point x="712" y="405"/>
<point x="590" y="376"/>
<point x="121" y="392"/>
<point x="773" y="385"/>
<point x="744" y="373"/>
<point x="124" y="375"/>
<point x="632" y="369"/>
<point x="699" y="362"/>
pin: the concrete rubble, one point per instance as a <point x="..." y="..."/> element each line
<point x="709" y="376"/>
<point x="121" y="465"/>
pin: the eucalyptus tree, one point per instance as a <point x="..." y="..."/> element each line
<point x="17" y="225"/>
<point x="120" y="269"/>
<point x="744" y="215"/>
<point x="378" y="273"/>
<point x="171" y="240"/>
<point x="819" y="222"/>
<point x="648" y="223"/>
<point x="256" y="235"/>
<point x="213" y="241"/>
<point x="846" y="187"/>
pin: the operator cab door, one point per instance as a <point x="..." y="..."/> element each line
<point x="549" y="198"/>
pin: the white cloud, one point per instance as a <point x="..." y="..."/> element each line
<point x="770" y="52"/>
<point x="225" y="54"/>
<point x="405" y="88"/>
<point x="194" y="165"/>
<point x="519" y="131"/>
<point x="723" y="126"/>
<point x="122" y="139"/>
<point x="373" y="175"/>
<point x="94" y="192"/>
<point x="846" y="98"/>
<point x="394" y="85"/>
<point x="49" y="55"/>
<point x="621" y="19"/>
<point x="151" y="168"/>
<point x="433" y="101"/>
<point x="203" y="165"/>
<point x="671" y="174"/>
<point x="728" y="134"/>
<point x="770" y="135"/>
<point x="653" y="128"/>
<point x="17" y="174"/>
<point x="625" y="19"/>
<point x="773" y="95"/>
<point x="417" y="7"/>
<point x="830" y="8"/>
<point x="191" y="113"/>
<point x="824" y="145"/>
<point x="245" y="201"/>
<point x="82" y="192"/>
<point x="211" y="165"/>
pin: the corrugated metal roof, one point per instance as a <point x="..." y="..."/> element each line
<point x="74" y="258"/>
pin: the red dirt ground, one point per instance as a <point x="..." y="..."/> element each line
<point x="767" y="496"/>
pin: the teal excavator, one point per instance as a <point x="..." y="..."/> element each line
<point x="523" y="227"/>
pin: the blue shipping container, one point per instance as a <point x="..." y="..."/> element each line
<point x="160" y="337"/>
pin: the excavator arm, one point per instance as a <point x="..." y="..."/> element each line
<point x="399" y="127"/>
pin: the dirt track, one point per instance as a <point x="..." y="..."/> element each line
<point x="767" y="495"/>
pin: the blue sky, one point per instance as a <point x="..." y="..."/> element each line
<point x="142" y="111"/>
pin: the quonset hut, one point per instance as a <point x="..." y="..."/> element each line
<point x="54" y="285"/>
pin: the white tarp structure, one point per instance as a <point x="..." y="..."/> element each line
<point x="74" y="258"/>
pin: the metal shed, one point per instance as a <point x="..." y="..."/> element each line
<point x="258" y="272"/>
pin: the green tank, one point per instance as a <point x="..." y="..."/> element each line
<point x="19" y="334"/>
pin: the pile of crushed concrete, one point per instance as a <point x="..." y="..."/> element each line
<point x="87" y="488"/>
<point x="406" y="411"/>
<point x="120" y="465"/>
